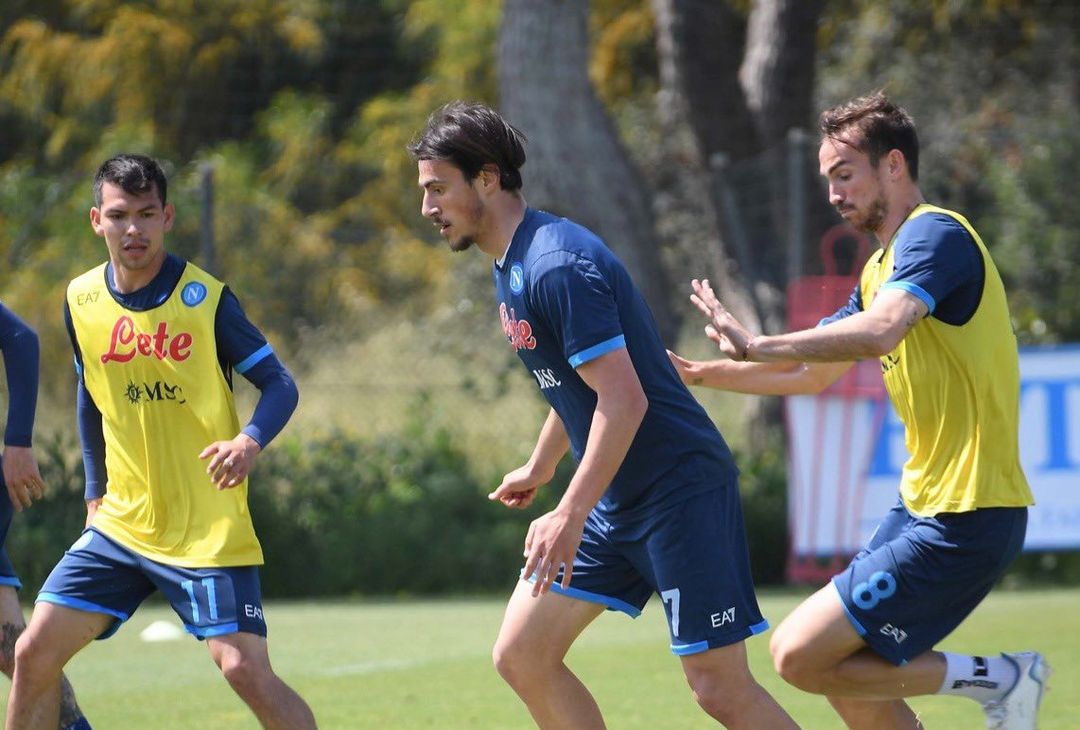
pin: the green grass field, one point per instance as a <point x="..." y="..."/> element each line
<point x="426" y="664"/>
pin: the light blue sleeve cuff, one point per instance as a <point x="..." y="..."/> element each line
<point x="914" y="290"/>
<point x="591" y="353"/>
<point x="251" y="360"/>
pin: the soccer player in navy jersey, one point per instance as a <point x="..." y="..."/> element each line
<point x="21" y="476"/>
<point x="156" y="341"/>
<point x="653" y="506"/>
<point x="931" y="306"/>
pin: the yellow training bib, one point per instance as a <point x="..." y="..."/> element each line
<point x="156" y="378"/>
<point x="957" y="391"/>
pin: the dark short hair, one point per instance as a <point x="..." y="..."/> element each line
<point x="881" y="126"/>
<point x="471" y="135"/>
<point x="135" y="174"/>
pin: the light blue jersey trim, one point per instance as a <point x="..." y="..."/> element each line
<point x="81" y="605"/>
<point x="759" y="627"/>
<point x="207" y="632"/>
<point x="591" y="353"/>
<point x="78" y="366"/>
<point x="613" y="604"/>
<point x="687" y="649"/>
<point x="251" y="360"/>
<point x="859" y="628"/>
<point x="10" y="580"/>
<point x="914" y="290"/>
<point x="700" y="646"/>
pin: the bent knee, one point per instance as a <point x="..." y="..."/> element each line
<point x="725" y="701"/>
<point x="35" y="658"/>
<point x="522" y="664"/>
<point x="796" y="665"/>
<point x="512" y="662"/>
<point x="244" y="675"/>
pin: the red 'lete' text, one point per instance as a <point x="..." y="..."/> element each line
<point x="126" y="342"/>
<point x="518" y="331"/>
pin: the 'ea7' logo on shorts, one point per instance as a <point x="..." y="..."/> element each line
<point x="897" y="633"/>
<point x="727" y="616"/>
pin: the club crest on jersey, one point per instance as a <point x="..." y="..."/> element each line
<point x="517" y="278"/>
<point x="193" y="293"/>
<point x="518" y="331"/>
<point x="126" y="343"/>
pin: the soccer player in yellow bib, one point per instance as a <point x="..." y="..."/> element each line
<point x="930" y="304"/>
<point x="156" y="340"/>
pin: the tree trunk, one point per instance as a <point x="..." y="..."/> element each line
<point x="577" y="165"/>
<point x="740" y="84"/>
<point x="743" y="83"/>
<point x="700" y="45"/>
<point x="777" y="74"/>
<point x="777" y="77"/>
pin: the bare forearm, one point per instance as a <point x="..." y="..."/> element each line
<point x="862" y="336"/>
<point x="742" y="377"/>
<point x="551" y="445"/>
<point x="615" y="423"/>
<point x="805" y="346"/>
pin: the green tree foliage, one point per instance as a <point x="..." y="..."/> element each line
<point x="266" y="92"/>
<point x="992" y="86"/>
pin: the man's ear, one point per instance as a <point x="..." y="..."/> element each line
<point x="896" y="163"/>
<point x="489" y="176"/>
<point x="95" y="221"/>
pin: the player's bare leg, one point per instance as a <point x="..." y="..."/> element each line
<point x="245" y="661"/>
<point x="535" y="636"/>
<point x="12" y="626"/>
<point x="872" y="714"/>
<point x="724" y="687"/>
<point x="817" y="650"/>
<point x="55" y="634"/>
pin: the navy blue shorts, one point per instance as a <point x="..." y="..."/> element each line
<point x="919" y="577"/>
<point x="101" y="576"/>
<point x="693" y="554"/>
<point x="7" y="570"/>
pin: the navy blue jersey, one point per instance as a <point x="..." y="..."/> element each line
<point x="936" y="260"/>
<point x="565" y="299"/>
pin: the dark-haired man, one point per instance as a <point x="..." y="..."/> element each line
<point x="24" y="485"/>
<point x="156" y="340"/>
<point x="931" y="306"/>
<point x="654" y="504"/>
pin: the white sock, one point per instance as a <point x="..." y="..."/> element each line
<point x="983" y="679"/>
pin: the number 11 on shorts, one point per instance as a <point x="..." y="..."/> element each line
<point x="211" y="598"/>
<point x="672" y="595"/>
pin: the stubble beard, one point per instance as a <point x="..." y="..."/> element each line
<point x="874" y="217"/>
<point x="464" y="243"/>
<point x="467" y="240"/>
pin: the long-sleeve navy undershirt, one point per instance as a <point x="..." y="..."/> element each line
<point x="22" y="353"/>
